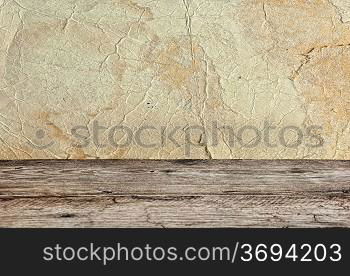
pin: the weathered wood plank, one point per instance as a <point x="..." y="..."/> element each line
<point x="218" y="193"/>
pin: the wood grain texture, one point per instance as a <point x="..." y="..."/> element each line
<point x="166" y="194"/>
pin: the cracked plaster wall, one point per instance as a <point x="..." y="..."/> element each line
<point x="173" y="64"/>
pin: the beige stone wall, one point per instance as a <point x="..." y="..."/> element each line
<point x="180" y="78"/>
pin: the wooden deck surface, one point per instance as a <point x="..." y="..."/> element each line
<point x="186" y="193"/>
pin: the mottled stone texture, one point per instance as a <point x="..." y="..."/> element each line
<point x="184" y="78"/>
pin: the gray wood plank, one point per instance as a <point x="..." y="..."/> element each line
<point x="187" y="193"/>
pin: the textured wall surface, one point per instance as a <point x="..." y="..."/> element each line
<point x="175" y="79"/>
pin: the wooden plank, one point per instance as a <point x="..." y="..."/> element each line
<point x="187" y="193"/>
